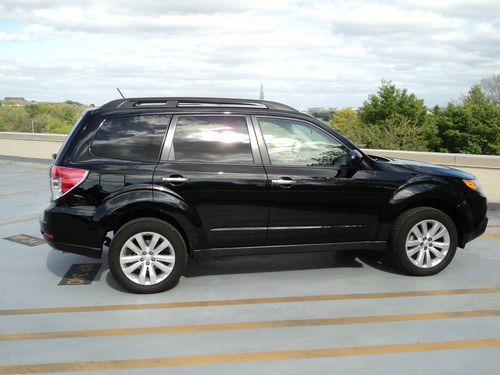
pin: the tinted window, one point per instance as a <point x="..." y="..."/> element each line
<point x="137" y="138"/>
<point x="291" y="142"/>
<point x="213" y="139"/>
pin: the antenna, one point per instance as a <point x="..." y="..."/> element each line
<point x="120" y="93"/>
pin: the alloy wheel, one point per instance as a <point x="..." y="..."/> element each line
<point x="427" y="243"/>
<point x="147" y="258"/>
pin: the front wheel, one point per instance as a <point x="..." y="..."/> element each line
<point x="424" y="241"/>
<point x="147" y="255"/>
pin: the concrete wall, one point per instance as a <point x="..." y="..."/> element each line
<point x="29" y="145"/>
<point x="448" y="159"/>
<point x="485" y="167"/>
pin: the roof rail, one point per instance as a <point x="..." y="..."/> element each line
<point x="187" y="102"/>
<point x="234" y="105"/>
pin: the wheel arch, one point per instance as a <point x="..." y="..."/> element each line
<point x="426" y="194"/>
<point x="114" y="224"/>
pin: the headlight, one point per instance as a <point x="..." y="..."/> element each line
<point x="473" y="184"/>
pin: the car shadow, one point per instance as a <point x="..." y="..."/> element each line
<point x="59" y="263"/>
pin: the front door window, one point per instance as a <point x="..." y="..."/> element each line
<point x="297" y="143"/>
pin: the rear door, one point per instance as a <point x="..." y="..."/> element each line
<point x="313" y="196"/>
<point x="212" y="161"/>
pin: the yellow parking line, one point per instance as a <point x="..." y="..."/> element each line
<point x="15" y="221"/>
<point x="492" y="236"/>
<point x="249" y="301"/>
<point x="198" y="360"/>
<point x="247" y="325"/>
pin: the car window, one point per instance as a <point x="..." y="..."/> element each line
<point x="137" y="138"/>
<point x="297" y="143"/>
<point x="212" y="139"/>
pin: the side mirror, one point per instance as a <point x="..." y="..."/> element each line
<point x="355" y="159"/>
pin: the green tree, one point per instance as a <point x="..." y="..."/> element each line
<point x="33" y="111"/>
<point x="347" y="122"/>
<point x="470" y="126"/>
<point x="47" y="117"/>
<point x="57" y="126"/>
<point x="395" y="111"/>
<point x="2" y="124"/>
<point x="398" y="133"/>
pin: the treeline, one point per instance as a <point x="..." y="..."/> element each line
<point x="395" y="119"/>
<point x="391" y="119"/>
<point x="57" y="118"/>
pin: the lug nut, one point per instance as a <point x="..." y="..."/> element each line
<point x="153" y="259"/>
<point x="142" y="259"/>
<point x="150" y="253"/>
<point x="143" y="253"/>
<point x="425" y="248"/>
<point x="147" y="263"/>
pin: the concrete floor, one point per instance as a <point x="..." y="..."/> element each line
<point x="340" y="313"/>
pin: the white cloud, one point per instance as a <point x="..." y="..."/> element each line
<point x="305" y="52"/>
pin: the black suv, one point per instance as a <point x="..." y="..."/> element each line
<point x="161" y="179"/>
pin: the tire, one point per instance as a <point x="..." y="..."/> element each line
<point x="423" y="255"/>
<point x="138" y="268"/>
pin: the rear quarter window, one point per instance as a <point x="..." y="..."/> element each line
<point x="136" y="138"/>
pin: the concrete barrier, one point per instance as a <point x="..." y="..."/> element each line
<point x="30" y="145"/>
<point x="448" y="159"/>
<point x="17" y="146"/>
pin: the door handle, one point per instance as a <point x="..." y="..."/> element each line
<point x="175" y="180"/>
<point x="283" y="181"/>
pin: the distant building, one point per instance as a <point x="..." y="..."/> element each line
<point x="16" y="100"/>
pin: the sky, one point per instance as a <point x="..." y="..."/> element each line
<point x="305" y="53"/>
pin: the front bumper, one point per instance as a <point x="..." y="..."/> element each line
<point x="478" y="230"/>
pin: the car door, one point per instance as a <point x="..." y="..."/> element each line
<point x="212" y="162"/>
<point x="313" y="195"/>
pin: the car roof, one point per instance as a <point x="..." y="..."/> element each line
<point x="179" y="103"/>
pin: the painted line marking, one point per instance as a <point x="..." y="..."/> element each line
<point x="31" y="175"/>
<point x="249" y="301"/>
<point x="22" y="192"/>
<point x="15" y="221"/>
<point x="492" y="236"/>
<point x="247" y="325"/>
<point x="198" y="360"/>
<point x="25" y="239"/>
<point x="494" y="226"/>
<point x="80" y="274"/>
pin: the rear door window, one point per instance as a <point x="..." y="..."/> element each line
<point x="136" y="138"/>
<point x="212" y="139"/>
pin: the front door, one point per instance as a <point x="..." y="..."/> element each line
<point x="213" y="163"/>
<point x="313" y="196"/>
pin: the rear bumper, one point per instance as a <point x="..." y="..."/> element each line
<point x="68" y="232"/>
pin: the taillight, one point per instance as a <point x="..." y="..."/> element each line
<point x="63" y="180"/>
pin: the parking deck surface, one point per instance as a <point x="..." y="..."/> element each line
<point x="339" y="313"/>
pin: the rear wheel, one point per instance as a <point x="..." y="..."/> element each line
<point x="147" y="255"/>
<point x="424" y="241"/>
